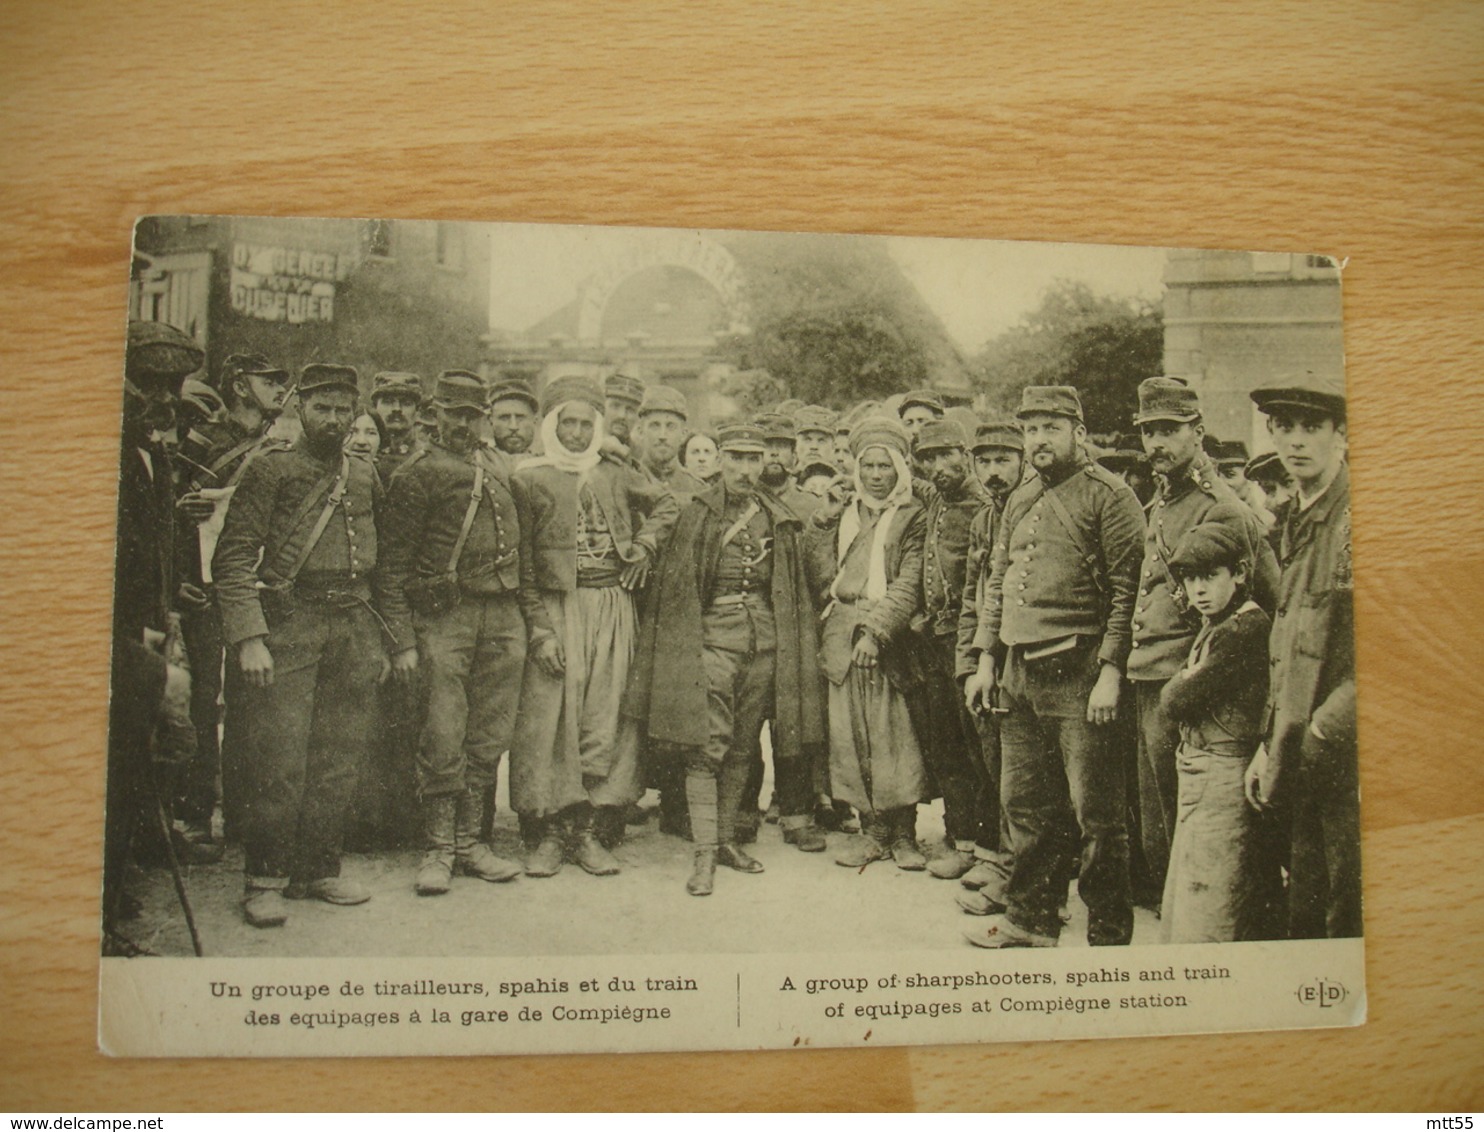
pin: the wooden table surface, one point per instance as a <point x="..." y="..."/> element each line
<point x="1347" y="128"/>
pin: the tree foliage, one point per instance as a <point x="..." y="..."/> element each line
<point x="1102" y="345"/>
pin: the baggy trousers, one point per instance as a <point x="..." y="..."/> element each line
<point x="472" y="656"/>
<point x="1045" y="735"/>
<point x="307" y="733"/>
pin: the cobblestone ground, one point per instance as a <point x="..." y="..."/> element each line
<point x="804" y="902"/>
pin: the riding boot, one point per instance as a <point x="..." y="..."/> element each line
<point x="472" y="856"/>
<point x="438" y="845"/>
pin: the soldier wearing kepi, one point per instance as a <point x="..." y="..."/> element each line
<point x="293" y="569"/>
<point x="451" y="572"/>
<point x="779" y="461"/>
<point x="998" y="459"/>
<point x="732" y="642"/>
<point x="1190" y="492"/>
<point x="662" y="428"/>
<point x="395" y="398"/>
<point x="623" y="393"/>
<point x="1308" y="765"/>
<point x="590" y="530"/>
<point x="945" y="728"/>
<point x="1056" y="619"/>
<point x="815" y="442"/>
<point x="513" y="412"/>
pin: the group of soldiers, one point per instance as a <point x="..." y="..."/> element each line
<point x="895" y="604"/>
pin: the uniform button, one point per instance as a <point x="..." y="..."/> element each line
<point x="1137" y="626"/>
<point x="1134" y="645"/>
<point x="1022" y="601"/>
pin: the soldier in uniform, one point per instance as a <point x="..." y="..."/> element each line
<point x="217" y="454"/>
<point x="732" y="642"/>
<point x="1189" y="493"/>
<point x="918" y="407"/>
<point x="662" y="427"/>
<point x="513" y="412"/>
<point x="997" y="449"/>
<point x="777" y="478"/>
<point x="293" y="568"/>
<point x="449" y="588"/>
<point x="1307" y="768"/>
<point x="815" y="441"/>
<point x="395" y="398"/>
<point x="945" y="727"/>
<point x="590" y="530"/>
<point x="1056" y="623"/>
<point x="144" y="679"/>
<point x="623" y="393"/>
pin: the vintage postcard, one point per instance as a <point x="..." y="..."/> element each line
<point x="535" y="639"/>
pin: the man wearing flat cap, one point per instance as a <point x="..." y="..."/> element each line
<point x="590" y="531"/>
<point x="1053" y="638"/>
<point x="514" y="410"/>
<point x="1189" y="492"/>
<point x="395" y="397"/>
<point x="946" y="731"/>
<point x="449" y="587"/>
<point x="663" y="417"/>
<point x="918" y="407"/>
<point x="623" y="393"/>
<point x="731" y="643"/>
<point x="293" y="569"/>
<point x="998" y="453"/>
<point x="149" y="688"/>
<point x="1307" y="768"/>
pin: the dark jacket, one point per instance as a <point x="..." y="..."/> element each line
<point x="425" y="508"/>
<point x="1163" y="626"/>
<point x="945" y="557"/>
<point x="274" y="511"/>
<point x="1312" y="649"/>
<point x="667" y="684"/>
<point x="1218" y="697"/>
<point x="982" y="530"/>
<point x="1049" y="582"/>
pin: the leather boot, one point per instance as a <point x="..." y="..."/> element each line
<point x="733" y="856"/>
<point x="473" y="857"/>
<point x="703" y="873"/>
<point x="550" y="852"/>
<point x="608" y="823"/>
<point x="904" y="850"/>
<point x="874" y="844"/>
<point x="591" y="854"/>
<point x="438" y="845"/>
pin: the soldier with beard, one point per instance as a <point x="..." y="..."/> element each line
<point x="395" y="398"/>
<point x="293" y="569"/>
<point x="513" y="410"/>
<point x="779" y="460"/>
<point x="998" y="452"/>
<point x="448" y="586"/>
<point x="945" y="728"/>
<point x="216" y="453"/>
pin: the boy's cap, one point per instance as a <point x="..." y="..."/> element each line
<point x="1207" y="545"/>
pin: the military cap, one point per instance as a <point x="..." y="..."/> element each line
<point x="326" y="375"/>
<point x="1207" y="545"/>
<point x="160" y="355"/>
<point x="940" y="434"/>
<point x="459" y="389"/>
<point x="815" y="418"/>
<point x="1306" y="390"/>
<point x="392" y="381"/>
<point x="664" y="399"/>
<point x="927" y="398"/>
<point x="1127" y="452"/>
<point x="880" y="432"/>
<point x="201" y="397"/>
<point x="818" y="468"/>
<point x="514" y="389"/>
<point x="1167" y="399"/>
<point x="1050" y="400"/>
<point x="1224" y="453"/>
<point x="425" y="414"/>
<point x="236" y="365"/>
<point x="574" y="388"/>
<point x="789" y="407"/>
<point x="777" y="426"/>
<point x="1267" y="469"/>
<point x="625" y="384"/>
<point x="741" y="437"/>
<point x="998" y="434"/>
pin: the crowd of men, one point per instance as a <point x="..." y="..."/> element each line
<point x="1129" y="664"/>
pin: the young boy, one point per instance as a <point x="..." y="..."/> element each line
<point x="1222" y="879"/>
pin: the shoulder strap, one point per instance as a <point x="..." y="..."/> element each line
<point x="338" y="484"/>
<point x="1094" y="561"/>
<point x="736" y="528"/>
<point x="476" y="493"/>
<point x="232" y="453"/>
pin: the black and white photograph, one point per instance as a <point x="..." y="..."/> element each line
<point x="552" y="638"/>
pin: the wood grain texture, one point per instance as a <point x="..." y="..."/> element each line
<point x="1351" y="128"/>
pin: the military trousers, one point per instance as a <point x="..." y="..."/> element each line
<point x="950" y="744"/>
<point x="1159" y="779"/>
<point x="307" y="734"/>
<point x="1051" y="752"/>
<point x="472" y="657"/>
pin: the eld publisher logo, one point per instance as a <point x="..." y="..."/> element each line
<point x="1323" y="993"/>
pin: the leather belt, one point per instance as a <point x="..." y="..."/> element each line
<point x="737" y="599"/>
